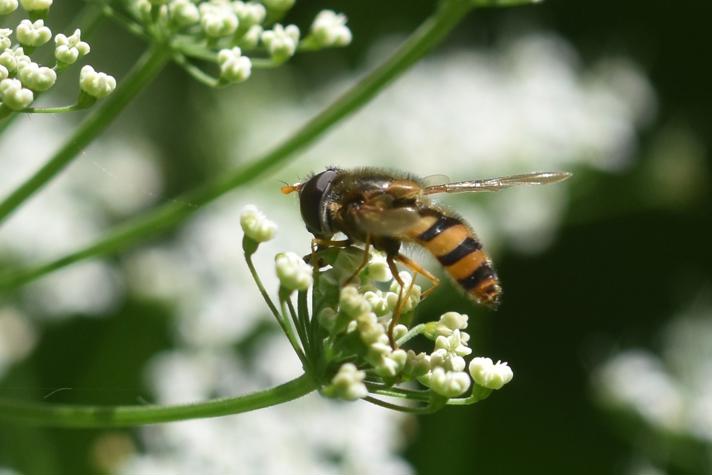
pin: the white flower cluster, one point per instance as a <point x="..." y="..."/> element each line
<point x="21" y="78"/>
<point x="224" y="30"/>
<point x="256" y="225"/>
<point x="366" y="312"/>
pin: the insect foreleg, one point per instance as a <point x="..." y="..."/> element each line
<point x="418" y="269"/>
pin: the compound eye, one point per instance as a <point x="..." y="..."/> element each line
<point x="311" y="198"/>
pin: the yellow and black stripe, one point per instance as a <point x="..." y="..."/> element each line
<point x="457" y="248"/>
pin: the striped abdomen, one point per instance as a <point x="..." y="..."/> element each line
<point x="457" y="248"/>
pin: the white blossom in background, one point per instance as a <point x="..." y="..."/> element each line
<point x="218" y="19"/>
<point x="671" y="390"/>
<point x="72" y="211"/>
<point x="5" y="41"/>
<point x="17" y="337"/>
<point x="528" y="104"/>
<point x="36" y="77"/>
<point x="184" y="12"/>
<point x="308" y="435"/>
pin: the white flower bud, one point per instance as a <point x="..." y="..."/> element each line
<point x="417" y="365"/>
<point x="370" y="330"/>
<point x="452" y="344"/>
<point x="377" y="268"/>
<point x="5" y="41"/>
<point x="293" y="272"/>
<point x="35" y="5"/>
<point x="7" y="7"/>
<point x="96" y="84"/>
<point x="392" y="364"/>
<point x="38" y="78"/>
<point x="448" y="383"/>
<point x="410" y="294"/>
<point x="399" y="331"/>
<point x="352" y="303"/>
<point x="256" y="225"/>
<point x="12" y="59"/>
<point x="14" y="96"/>
<point x="281" y="42"/>
<point x="217" y="19"/>
<point x="377" y="301"/>
<point x="252" y="37"/>
<point x="278" y="5"/>
<point x="4" y="73"/>
<point x="68" y="49"/>
<point x="447" y="360"/>
<point x="329" y="29"/>
<point x="32" y="34"/>
<point x="347" y="383"/>
<point x="233" y="66"/>
<point x="184" y="12"/>
<point x="249" y="13"/>
<point x="490" y="375"/>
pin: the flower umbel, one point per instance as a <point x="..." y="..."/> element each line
<point x="344" y="340"/>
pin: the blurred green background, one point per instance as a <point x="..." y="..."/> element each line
<point x="626" y="256"/>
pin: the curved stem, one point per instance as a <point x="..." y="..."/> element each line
<point x="431" y="32"/>
<point x="63" y="415"/>
<point x="143" y="72"/>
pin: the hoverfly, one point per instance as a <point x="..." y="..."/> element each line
<point x="385" y="209"/>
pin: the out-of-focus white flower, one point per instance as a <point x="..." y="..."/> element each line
<point x="234" y="67"/>
<point x="329" y="29"/>
<point x="256" y="225"/>
<point x="347" y="383"/>
<point x="488" y="374"/>
<point x="34" y="5"/>
<point x="637" y="380"/>
<point x="68" y="49"/>
<point x="352" y="302"/>
<point x="7" y="7"/>
<point x="278" y="5"/>
<point x="5" y="41"/>
<point x="449" y="322"/>
<point x="218" y="19"/>
<point x="249" y="13"/>
<point x="13" y="58"/>
<point x="377" y="268"/>
<point x="36" y="77"/>
<point x="15" y="96"/>
<point x="293" y="272"/>
<point x="252" y="37"/>
<point x="32" y="34"/>
<point x="281" y="42"/>
<point x="96" y="84"/>
<point x="183" y="12"/>
<point x="448" y="383"/>
<point x="17" y="337"/>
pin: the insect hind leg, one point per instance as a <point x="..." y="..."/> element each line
<point x="418" y="269"/>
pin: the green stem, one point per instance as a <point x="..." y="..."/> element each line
<point x="62" y="415"/>
<point x="431" y="32"/>
<point x="412" y="333"/>
<point x="195" y="72"/>
<point x="54" y="110"/>
<point x="143" y="72"/>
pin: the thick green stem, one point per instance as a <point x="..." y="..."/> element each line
<point x="61" y="415"/>
<point x="431" y="32"/>
<point x="148" y="66"/>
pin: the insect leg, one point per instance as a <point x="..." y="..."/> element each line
<point x="390" y="260"/>
<point x="418" y="269"/>
<point x="364" y="261"/>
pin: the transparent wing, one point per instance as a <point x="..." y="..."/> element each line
<point x="498" y="183"/>
<point x="386" y="222"/>
<point x="433" y="180"/>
